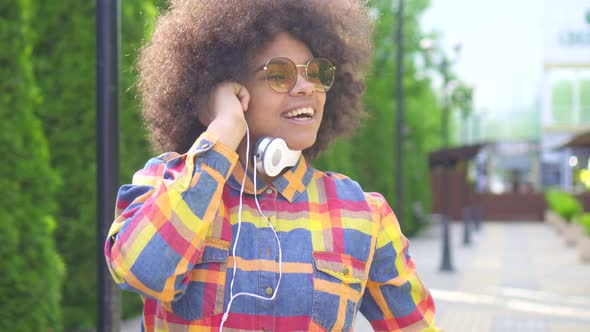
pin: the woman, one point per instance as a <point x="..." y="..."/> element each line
<point x="211" y="241"/>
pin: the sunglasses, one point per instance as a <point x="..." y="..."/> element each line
<point x="281" y="74"/>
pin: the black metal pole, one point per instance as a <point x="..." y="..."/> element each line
<point x="400" y="131"/>
<point x="466" y="201"/>
<point x="446" y="264"/>
<point x="107" y="153"/>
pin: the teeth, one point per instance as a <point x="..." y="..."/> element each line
<point x="306" y="110"/>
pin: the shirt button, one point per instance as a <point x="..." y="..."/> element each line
<point x="268" y="291"/>
<point x="346" y="270"/>
<point x="269" y="191"/>
<point x="267" y="252"/>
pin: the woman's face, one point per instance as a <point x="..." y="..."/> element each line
<point x="273" y="114"/>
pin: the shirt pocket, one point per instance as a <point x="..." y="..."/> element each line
<point x="338" y="281"/>
<point x="205" y="293"/>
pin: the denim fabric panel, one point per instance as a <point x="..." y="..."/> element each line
<point x="298" y="243"/>
<point x="349" y="190"/>
<point x="213" y="254"/>
<point x="301" y="198"/>
<point x="325" y="309"/>
<point x="295" y="295"/>
<point x="214" y="160"/>
<point x="324" y="276"/>
<point x="202" y="299"/>
<point x="250" y="235"/>
<point x="361" y="242"/>
<point x="171" y="166"/>
<point x="156" y="161"/>
<point x="326" y="305"/>
<point x="155" y="263"/>
<point x="199" y="197"/>
<point x="383" y="267"/>
<point x="204" y="295"/>
<point x="399" y="299"/>
<point x="126" y="195"/>
<point x="129" y="192"/>
<point x="202" y="146"/>
<point x="350" y="315"/>
<point x="369" y="308"/>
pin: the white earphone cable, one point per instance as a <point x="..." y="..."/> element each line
<point x="234" y="271"/>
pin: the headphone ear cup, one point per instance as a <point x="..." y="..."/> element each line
<point x="272" y="155"/>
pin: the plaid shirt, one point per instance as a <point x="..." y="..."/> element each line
<point x="342" y="249"/>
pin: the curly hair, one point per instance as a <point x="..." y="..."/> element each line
<point x="197" y="44"/>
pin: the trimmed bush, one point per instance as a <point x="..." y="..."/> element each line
<point x="64" y="53"/>
<point x="563" y="203"/>
<point x="584" y="220"/>
<point x="31" y="269"/>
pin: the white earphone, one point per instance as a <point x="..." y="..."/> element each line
<point x="273" y="155"/>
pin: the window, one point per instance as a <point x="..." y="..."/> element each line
<point x="585" y="101"/>
<point x="562" y="107"/>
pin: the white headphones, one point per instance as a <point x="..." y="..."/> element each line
<point x="273" y="155"/>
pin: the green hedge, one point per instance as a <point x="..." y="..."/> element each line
<point x="563" y="203"/>
<point x="64" y="53"/>
<point x="31" y="269"/>
<point x="584" y="220"/>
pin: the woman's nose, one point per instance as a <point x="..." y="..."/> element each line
<point x="302" y="85"/>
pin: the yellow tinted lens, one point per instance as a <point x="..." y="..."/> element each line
<point x="320" y="72"/>
<point x="281" y="74"/>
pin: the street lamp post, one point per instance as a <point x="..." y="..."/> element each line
<point x="444" y="64"/>
<point x="107" y="155"/>
<point x="464" y="98"/>
<point x="446" y="263"/>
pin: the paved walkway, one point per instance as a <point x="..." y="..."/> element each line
<point x="516" y="276"/>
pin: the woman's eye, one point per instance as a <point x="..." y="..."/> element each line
<point x="275" y="77"/>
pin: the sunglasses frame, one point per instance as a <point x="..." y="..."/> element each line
<point x="325" y="90"/>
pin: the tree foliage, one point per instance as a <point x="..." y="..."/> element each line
<point x="63" y="51"/>
<point x="31" y="269"/>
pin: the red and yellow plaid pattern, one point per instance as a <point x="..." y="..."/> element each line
<point x="342" y="249"/>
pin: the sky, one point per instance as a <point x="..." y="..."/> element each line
<point x="502" y="51"/>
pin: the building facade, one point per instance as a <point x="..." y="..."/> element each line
<point x="565" y="105"/>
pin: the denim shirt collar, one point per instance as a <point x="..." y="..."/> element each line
<point x="290" y="184"/>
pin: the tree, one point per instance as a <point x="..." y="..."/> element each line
<point x="31" y="268"/>
<point x="64" y="47"/>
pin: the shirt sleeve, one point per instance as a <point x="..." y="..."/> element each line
<point x="395" y="299"/>
<point x="163" y="217"/>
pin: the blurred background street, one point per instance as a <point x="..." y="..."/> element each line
<point x="518" y="276"/>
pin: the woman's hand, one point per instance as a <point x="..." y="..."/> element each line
<point x="225" y="113"/>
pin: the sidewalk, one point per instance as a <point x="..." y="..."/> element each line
<point x="515" y="276"/>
